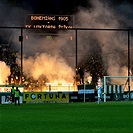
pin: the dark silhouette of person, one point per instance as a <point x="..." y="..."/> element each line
<point x="81" y="73"/>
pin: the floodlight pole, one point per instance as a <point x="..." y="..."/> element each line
<point x="129" y="62"/>
<point x="76" y="49"/>
<point x="84" y="89"/>
<point x="21" y="74"/>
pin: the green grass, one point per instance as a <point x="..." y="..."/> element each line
<point x="110" y="117"/>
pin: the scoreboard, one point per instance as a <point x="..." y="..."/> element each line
<point x="49" y="21"/>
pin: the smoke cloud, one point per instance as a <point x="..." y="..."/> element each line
<point x="112" y="44"/>
<point x="53" y="67"/>
<point x="55" y="59"/>
<point x="4" y="72"/>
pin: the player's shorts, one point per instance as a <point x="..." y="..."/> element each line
<point x="99" y="94"/>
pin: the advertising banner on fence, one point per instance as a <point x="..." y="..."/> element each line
<point x="89" y="91"/>
<point x="117" y="96"/>
<point x="7" y="88"/>
<point x="8" y="99"/>
<point x="45" y="97"/>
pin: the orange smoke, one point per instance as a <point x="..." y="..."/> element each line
<point x="4" y="72"/>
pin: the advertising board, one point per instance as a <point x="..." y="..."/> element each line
<point x="43" y="97"/>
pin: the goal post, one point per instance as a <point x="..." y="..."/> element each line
<point x="105" y="83"/>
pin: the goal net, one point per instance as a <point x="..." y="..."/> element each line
<point x="117" y="84"/>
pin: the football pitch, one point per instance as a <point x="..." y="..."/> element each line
<point x="88" y="117"/>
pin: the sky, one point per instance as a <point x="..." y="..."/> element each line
<point x="50" y="6"/>
<point x="59" y="54"/>
<point x="14" y="11"/>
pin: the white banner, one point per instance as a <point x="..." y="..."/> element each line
<point x="90" y="91"/>
<point x="8" y="99"/>
<point x="8" y="89"/>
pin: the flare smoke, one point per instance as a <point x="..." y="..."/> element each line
<point x="55" y="59"/>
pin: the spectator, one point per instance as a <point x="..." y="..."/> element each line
<point x="81" y="74"/>
<point x="13" y="93"/>
<point x="17" y="96"/>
